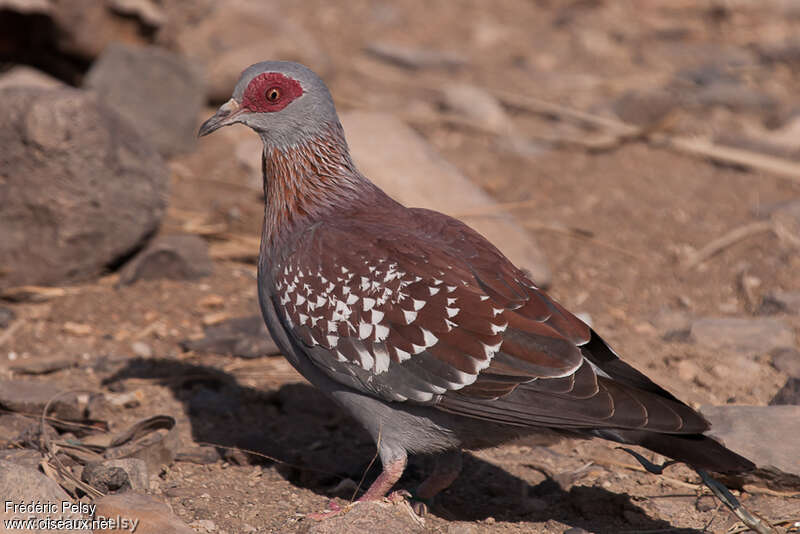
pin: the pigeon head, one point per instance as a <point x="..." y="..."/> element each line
<point x="285" y="102"/>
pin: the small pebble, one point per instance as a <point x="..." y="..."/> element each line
<point x="141" y="349"/>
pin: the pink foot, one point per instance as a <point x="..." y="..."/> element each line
<point x="333" y="510"/>
<point x="398" y="496"/>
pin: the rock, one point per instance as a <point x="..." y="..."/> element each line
<point x="19" y="484"/>
<point x="650" y="110"/>
<point x="784" y="141"/>
<point x="688" y="370"/>
<point x="788" y="394"/>
<point x="783" y="52"/>
<point x="159" y="92"/>
<point x="785" y="301"/>
<point x="178" y="257"/>
<point x="146" y="11"/>
<point x="576" y="530"/>
<point x="25" y="76"/>
<point x="135" y="469"/>
<point x="7" y="315"/>
<point x="734" y="96"/>
<point x="373" y="517"/>
<point x="674" y="325"/>
<point x="86" y="27"/>
<point x="416" y="58"/>
<point x="141" y="349"/>
<point x="204" y="525"/>
<point x="12" y="425"/>
<point x="29" y="458"/>
<point x="399" y="161"/>
<point x="32" y="397"/>
<point x="109" y="194"/>
<point x="767" y="435"/>
<point x="150" y="515"/>
<point x="244" y="337"/>
<point x="462" y="527"/>
<point x="477" y="104"/>
<point x="747" y="336"/>
<point x="27" y="7"/>
<point x="106" y="478"/>
<point x="786" y="220"/>
<point x="198" y="455"/>
<point x="18" y="430"/>
<point x="241" y="33"/>
<point x="787" y="361"/>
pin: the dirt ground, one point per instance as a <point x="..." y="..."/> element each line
<point x="615" y="224"/>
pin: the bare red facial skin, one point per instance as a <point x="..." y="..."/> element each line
<point x="270" y="91"/>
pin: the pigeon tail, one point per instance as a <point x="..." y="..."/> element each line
<point x="697" y="450"/>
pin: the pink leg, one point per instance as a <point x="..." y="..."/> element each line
<point x="445" y="471"/>
<point x="388" y="478"/>
<point x="392" y="472"/>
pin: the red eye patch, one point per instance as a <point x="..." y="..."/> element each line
<point x="270" y="91"/>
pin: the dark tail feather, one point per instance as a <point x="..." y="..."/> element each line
<point x="696" y="450"/>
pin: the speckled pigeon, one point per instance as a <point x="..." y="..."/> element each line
<point x="415" y="323"/>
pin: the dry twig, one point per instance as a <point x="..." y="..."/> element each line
<point x="731" y="238"/>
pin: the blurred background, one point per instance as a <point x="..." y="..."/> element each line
<point x="639" y="159"/>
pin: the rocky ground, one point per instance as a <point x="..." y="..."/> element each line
<point x="641" y="159"/>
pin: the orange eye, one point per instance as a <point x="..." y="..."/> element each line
<point x="273" y="94"/>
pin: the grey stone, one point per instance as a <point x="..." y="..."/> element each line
<point x="245" y="337"/>
<point x="23" y="484"/>
<point x="13" y="425"/>
<point x="28" y="7"/>
<point x="462" y="527"/>
<point x="747" y="336"/>
<point x="786" y="220"/>
<point x="786" y="301"/>
<point x="152" y="516"/>
<point x="478" y="105"/>
<point x="141" y="349"/>
<point x="734" y="96"/>
<point x="84" y="28"/>
<point x="646" y="109"/>
<point x="147" y="11"/>
<point x="787" y="361"/>
<point x="31" y="398"/>
<point x="7" y="315"/>
<point x="788" y="394"/>
<point x="672" y="324"/>
<point x="136" y="469"/>
<point x="416" y="58"/>
<point x="25" y="457"/>
<point x="159" y="92"/>
<point x="179" y="257"/>
<point x="106" y="478"/>
<point x="24" y="76"/>
<point x="767" y="435"/>
<point x="782" y="52"/>
<point x="198" y="455"/>
<point x="80" y="187"/>
<point x="238" y="34"/>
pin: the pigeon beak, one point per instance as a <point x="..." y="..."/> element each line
<point x="227" y="114"/>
